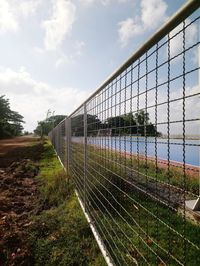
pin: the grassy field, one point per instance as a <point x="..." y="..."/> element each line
<point x="141" y="166"/>
<point x="132" y="224"/>
<point x="60" y="234"/>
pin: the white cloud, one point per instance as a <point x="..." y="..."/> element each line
<point x="87" y="2"/>
<point x="153" y="13"/>
<point x="25" y="8"/>
<point x="13" y="11"/>
<point x="7" y="18"/>
<point x="128" y="29"/>
<point x="11" y="81"/>
<point x="192" y="106"/>
<point x="38" y="50"/>
<point x="33" y="98"/>
<point x="103" y="2"/>
<point x="64" y="59"/>
<point x="60" y="23"/>
<point x="177" y="41"/>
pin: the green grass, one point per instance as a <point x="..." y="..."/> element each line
<point x="174" y="176"/>
<point x="159" y="227"/>
<point x="60" y="234"/>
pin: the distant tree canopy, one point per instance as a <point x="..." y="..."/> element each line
<point x="132" y="124"/>
<point x="46" y="125"/>
<point x="127" y="124"/>
<point x="10" y="121"/>
<point x="77" y="124"/>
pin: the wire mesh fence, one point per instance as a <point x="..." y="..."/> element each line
<point x="133" y="150"/>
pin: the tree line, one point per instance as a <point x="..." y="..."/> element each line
<point x="46" y="125"/>
<point x="10" y="121"/>
<point x="127" y="124"/>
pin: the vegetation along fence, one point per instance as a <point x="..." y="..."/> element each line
<point x="132" y="149"/>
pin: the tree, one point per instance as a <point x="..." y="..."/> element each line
<point x="46" y="125"/>
<point x="93" y="125"/>
<point x="124" y="124"/>
<point x="145" y="127"/>
<point x="10" y="121"/>
<point x="117" y="124"/>
<point x="132" y="124"/>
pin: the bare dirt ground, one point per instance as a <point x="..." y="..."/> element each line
<point x="9" y="144"/>
<point x="16" y="149"/>
<point x="18" y="197"/>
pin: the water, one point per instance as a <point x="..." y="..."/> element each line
<point x="127" y="144"/>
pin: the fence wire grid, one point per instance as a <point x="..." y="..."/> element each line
<point x="133" y="151"/>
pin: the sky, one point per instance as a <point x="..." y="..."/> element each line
<point x="55" y="53"/>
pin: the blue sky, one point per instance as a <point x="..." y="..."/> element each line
<point x="55" y="53"/>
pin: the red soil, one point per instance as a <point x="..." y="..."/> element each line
<point x="18" y="197"/>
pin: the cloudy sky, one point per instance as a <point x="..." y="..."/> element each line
<point x="54" y="53"/>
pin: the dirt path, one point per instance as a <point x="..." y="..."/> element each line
<point x="10" y="144"/>
<point x="18" y="197"/>
<point x="17" y="149"/>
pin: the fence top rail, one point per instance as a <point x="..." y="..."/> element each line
<point x="186" y="10"/>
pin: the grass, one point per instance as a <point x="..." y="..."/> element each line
<point x="173" y="176"/>
<point x="60" y="234"/>
<point x="128" y="220"/>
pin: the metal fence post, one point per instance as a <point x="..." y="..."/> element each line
<point x="68" y="142"/>
<point x="85" y="152"/>
<point x="66" y="145"/>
